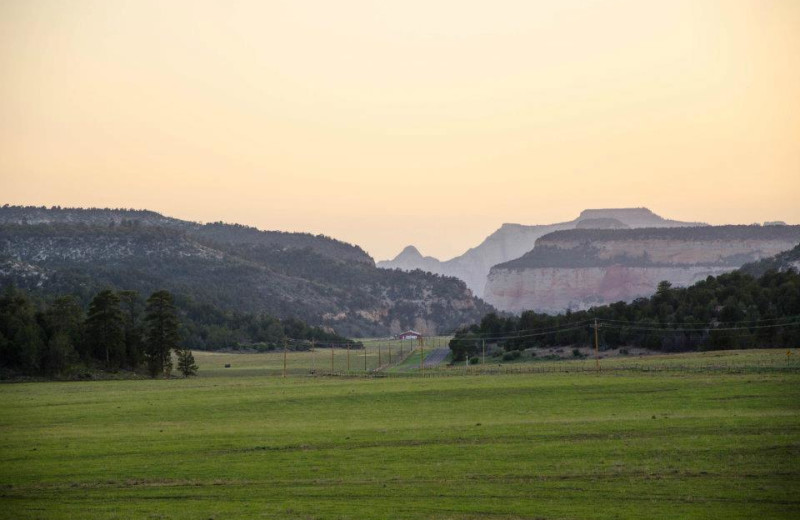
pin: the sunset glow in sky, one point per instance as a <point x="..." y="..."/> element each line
<point x="388" y="123"/>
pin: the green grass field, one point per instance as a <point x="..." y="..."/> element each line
<point x="377" y="355"/>
<point x="244" y="443"/>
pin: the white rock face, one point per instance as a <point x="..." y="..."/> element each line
<point x="624" y="270"/>
<point x="554" y="290"/>
<point x="514" y="240"/>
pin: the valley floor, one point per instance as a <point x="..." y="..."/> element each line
<point x="235" y="443"/>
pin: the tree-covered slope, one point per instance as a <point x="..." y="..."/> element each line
<point x="216" y="233"/>
<point x="780" y="262"/>
<point x="317" y="279"/>
<point x="757" y="306"/>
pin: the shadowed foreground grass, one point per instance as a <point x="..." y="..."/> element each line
<point x="613" y="445"/>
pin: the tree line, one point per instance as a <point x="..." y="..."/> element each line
<point x="119" y="331"/>
<point x="730" y="311"/>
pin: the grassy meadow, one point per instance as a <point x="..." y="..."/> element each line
<point x="243" y="443"/>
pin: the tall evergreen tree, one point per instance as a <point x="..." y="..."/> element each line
<point x="63" y="324"/>
<point x="162" y="336"/>
<point x="105" y="329"/>
<point x="21" y="341"/>
<point x="132" y="306"/>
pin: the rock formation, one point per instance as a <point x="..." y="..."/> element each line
<point x="514" y="240"/>
<point x="577" y="269"/>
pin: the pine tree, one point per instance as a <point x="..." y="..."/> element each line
<point x="162" y="337"/>
<point x="105" y="328"/>
<point x="186" y="363"/>
<point x="21" y="342"/>
<point x="64" y="327"/>
<point x="132" y="306"/>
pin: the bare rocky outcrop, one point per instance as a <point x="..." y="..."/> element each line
<point x="578" y="269"/>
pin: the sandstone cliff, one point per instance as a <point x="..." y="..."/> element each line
<point x="577" y="269"/>
<point x="514" y="240"/>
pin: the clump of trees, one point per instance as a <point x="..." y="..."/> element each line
<point x="119" y="332"/>
<point x="733" y="310"/>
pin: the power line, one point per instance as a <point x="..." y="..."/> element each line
<point x="705" y="329"/>
<point x="543" y="330"/>
<point x="705" y="322"/>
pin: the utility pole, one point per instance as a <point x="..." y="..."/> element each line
<point x="348" y="358"/>
<point x="483" y="348"/>
<point x="284" y="358"/>
<point x="379" y="355"/>
<point x="596" y="345"/>
<point x="313" y="357"/>
<point x="365" y="358"/>
<point x="331" y="358"/>
<point x="422" y="355"/>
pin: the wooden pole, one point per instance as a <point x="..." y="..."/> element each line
<point x="365" y="358"/>
<point x="422" y="356"/>
<point x="483" y="348"/>
<point x="379" y="354"/>
<point x="596" y="345"/>
<point x="313" y="357"/>
<point x="331" y="359"/>
<point x="348" y="358"/>
<point x="283" y="374"/>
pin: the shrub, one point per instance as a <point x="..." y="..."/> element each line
<point x="511" y="356"/>
<point x="474" y="360"/>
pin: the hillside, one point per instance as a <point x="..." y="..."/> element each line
<point x="781" y="262"/>
<point x="217" y="233"/>
<point x="728" y="311"/>
<point x="514" y="240"/>
<point x="318" y="279"/>
<point x="579" y="268"/>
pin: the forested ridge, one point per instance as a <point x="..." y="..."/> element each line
<point x="233" y="268"/>
<point x="733" y="310"/>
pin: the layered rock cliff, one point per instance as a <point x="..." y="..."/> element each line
<point x="577" y="269"/>
<point x="514" y="240"/>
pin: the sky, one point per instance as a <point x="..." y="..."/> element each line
<point x="388" y="123"/>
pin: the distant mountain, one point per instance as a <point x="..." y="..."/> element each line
<point x="580" y="268"/>
<point x="410" y="258"/>
<point x="514" y="240"/>
<point x="315" y="278"/>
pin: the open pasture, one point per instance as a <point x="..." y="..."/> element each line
<point x="376" y="355"/>
<point x="239" y="444"/>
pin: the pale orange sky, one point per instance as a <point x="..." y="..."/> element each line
<point x="390" y="123"/>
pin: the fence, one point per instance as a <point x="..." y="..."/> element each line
<point x="393" y="359"/>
